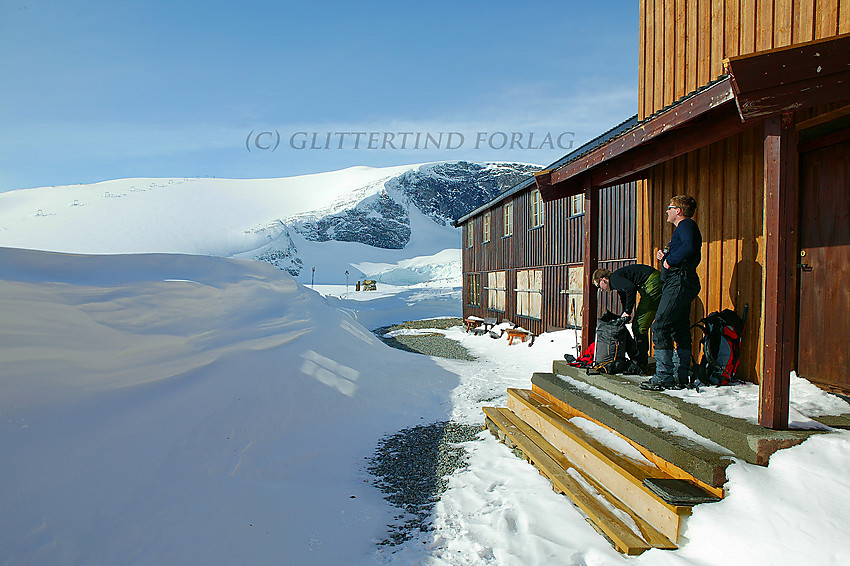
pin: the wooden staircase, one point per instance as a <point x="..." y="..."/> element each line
<point x="606" y="485"/>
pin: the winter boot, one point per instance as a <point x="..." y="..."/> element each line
<point x="641" y="352"/>
<point x="664" y="377"/>
<point x="682" y="364"/>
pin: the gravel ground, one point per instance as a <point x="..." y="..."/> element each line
<point x="428" y="343"/>
<point x="411" y="466"/>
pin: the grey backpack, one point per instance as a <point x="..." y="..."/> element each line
<point x="614" y="346"/>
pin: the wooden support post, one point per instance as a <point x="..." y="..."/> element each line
<point x="780" y="266"/>
<point x="591" y="261"/>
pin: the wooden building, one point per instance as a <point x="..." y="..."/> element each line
<point x="523" y="257"/>
<point x="745" y="105"/>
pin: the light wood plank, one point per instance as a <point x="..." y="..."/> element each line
<point x="692" y="39"/>
<point x="642" y="59"/>
<point x="747" y="30"/>
<point x="680" y="80"/>
<point x="620" y="478"/>
<point x="624" y="539"/>
<point x="732" y="203"/>
<point x="647" y="531"/>
<point x="804" y="21"/>
<point x="782" y="23"/>
<point x="732" y="31"/>
<point x="663" y="465"/>
<point x="748" y="274"/>
<point x="844" y="17"/>
<point x="764" y="25"/>
<point x="705" y="30"/>
<point x="660" y="53"/>
<point x="826" y="22"/>
<point x="669" y="57"/>
<point x="712" y="230"/>
<point x="718" y="35"/>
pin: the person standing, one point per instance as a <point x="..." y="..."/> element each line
<point x="671" y="331"/>
<point x="628" y="282"/>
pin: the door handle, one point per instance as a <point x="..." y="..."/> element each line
<point x="804" y="266"/>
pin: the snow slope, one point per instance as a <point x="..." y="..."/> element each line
<point x="173" y="409"/>
<point x="220" y="217"/>
<point x="316" y="227"/>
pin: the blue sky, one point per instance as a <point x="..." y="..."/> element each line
<point x="93" y="91"/>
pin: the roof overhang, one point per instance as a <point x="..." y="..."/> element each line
<point x="756" y="86"/>
<point x="791" y="78"/>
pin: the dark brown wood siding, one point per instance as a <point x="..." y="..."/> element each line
<point x="553" y="248"/>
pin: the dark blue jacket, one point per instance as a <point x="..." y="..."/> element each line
<point x="683" y="252"/>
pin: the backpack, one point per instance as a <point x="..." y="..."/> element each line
<point x="614" y="346"/>
<point x="585" y="360"/>
<point x="721" y="347"/>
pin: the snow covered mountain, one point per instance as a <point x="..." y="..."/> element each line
<point x="324" y="228"/>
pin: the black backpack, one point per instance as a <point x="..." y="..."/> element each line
<point x="722" y="332"/>
<point x="614" y="346"/>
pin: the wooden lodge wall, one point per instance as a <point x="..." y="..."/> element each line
<point x="556" y="248"/>
<point x="682" y="47"/>
<point x="683" y="42"/>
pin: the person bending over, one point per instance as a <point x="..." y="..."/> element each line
<point x="630" y="281"/>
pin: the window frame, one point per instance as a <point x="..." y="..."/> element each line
<point x="529" y="297"/>
<point x="576" y="205"/>
<point x="508" y="219"/>
<point x="473" y="285"/>
<point x="496" y="293"/>
<point x="536" y="209"/>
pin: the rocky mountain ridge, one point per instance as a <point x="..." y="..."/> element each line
<point x="379" y="215"/>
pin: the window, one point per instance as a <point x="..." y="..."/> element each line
<point x="473" y="286"/>
<point x="509" y="218"/>
<point x="576" y="204"/>
<point x="529" y="293"/>
<point x="536" y="209"/>
<point x="496" y="291"/>
<point x="486" y="228"/>
<point x="470" y="234"/>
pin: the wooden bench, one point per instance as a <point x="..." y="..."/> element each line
<point x="519" y="333"/>
<point x="472" y="323"/>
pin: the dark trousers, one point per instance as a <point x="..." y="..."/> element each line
<point x="673" y="318"/>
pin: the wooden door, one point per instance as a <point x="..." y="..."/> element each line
<point x="824" y="267"/>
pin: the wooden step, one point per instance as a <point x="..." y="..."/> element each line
<point x="745" y="440"/>
<point x="629" y="533"/>
<point x="621" y="476"/>
<point x="693" y="458"/>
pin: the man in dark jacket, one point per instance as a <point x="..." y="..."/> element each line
<point x="680" y="286"/>
<point x="628" y="282"/>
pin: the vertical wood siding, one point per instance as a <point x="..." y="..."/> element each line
<point x="552" y="248"/>
<point x="683" y="42"/>
<point x="727" y="179"/>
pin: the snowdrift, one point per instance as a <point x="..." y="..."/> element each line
<point x="188" y="409"/>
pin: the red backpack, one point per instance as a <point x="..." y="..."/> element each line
<point x="583" y="361"/>
<point x="721" y="347"/>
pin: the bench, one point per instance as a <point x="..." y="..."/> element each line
<point x="473" y="322"/>
<point x="520" y="333"/>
